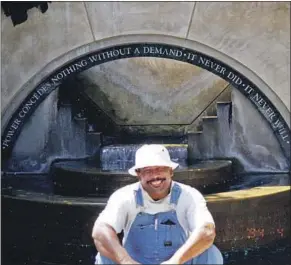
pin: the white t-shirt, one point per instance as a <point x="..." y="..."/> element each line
<point x="122" y="209"/>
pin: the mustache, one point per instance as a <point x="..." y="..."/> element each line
<point x="156" y="179"/>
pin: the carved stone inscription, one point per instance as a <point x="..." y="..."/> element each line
<point x="260" y="101"/>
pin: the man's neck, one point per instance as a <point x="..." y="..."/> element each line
<point x="159" y="198"/>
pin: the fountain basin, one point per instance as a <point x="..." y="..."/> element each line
<point x="122" y="156"/>
<point x="79" y="178"/>
<point x="57" y="229"/>
<point x="251" y="217"/>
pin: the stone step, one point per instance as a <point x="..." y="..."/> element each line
<point x="210" y="138"/>
<point x="79" y="134"/>
<point x="195" y="147"/>
<point x="67" y="137"/>
<point x="224" y="110"/>
<point x="207" y="118"/>
<point x="214" y="138"/>
<point x="224" y="115"/>
<point x="78" y="178"/>
<point x="93" y="138"/>
<point x="93" y="144"/>
<point x="223" y="102"/>
<point x="121" y="157"/>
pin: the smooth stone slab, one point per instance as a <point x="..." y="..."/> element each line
<point x="78" y="178"/>
<point x="109" y="19"/>
<point x="257" y="34"/>
<point x="28" y="47"/>
<point x="251" y="218"/>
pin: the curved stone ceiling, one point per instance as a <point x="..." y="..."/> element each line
<point x="160" y="91"/>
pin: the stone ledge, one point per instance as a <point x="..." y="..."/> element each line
<point x="90" y="181"/>
<point x="247" y="194"/>
<point x="244" y="219"/>
<point x="217" y="198"/>
<point x="251" y="218"/>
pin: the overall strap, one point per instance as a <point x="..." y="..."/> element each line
<point x="138" y="197"/>
<point x="175" y="194"/>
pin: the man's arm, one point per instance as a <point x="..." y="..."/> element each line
<point x="201" y="224"/>
<point x="199" y="240"/>
<point x="107" y="243"/>
<point x="112" y="220"/>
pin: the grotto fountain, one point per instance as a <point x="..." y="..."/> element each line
<point x="75" y="148"/>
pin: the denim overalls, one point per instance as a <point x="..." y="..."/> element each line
<point x="154" y="238"/>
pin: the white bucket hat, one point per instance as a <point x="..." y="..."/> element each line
<point x="151" y="155"/>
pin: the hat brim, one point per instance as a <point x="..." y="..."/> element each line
<point x="132" y="170"/>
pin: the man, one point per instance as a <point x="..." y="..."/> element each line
<point x="164" y="222"/>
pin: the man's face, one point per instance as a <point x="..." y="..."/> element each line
<point x="156" y="180"/>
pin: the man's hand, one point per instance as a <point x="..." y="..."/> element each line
<point x="200" y="240"/>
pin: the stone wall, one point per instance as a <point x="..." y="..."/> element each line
<point x="255" y="34"/>
<point x="161" y="91"/>
<point x="28" y="47"/>
<point x="255" y="217"/>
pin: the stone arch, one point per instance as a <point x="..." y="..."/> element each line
<point x="248" y="83"/>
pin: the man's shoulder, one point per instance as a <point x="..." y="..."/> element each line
<point x="126" y="192"/>
<point x="187" y="190"/>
